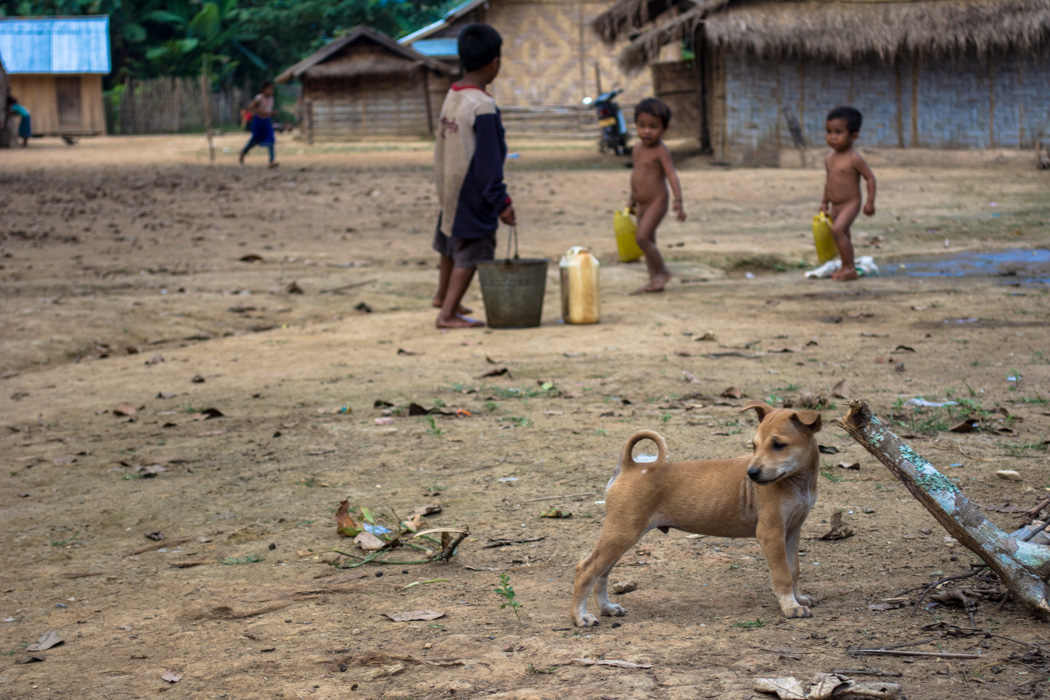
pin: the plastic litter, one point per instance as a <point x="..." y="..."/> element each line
<point x="866" y="267"/>
<point x="931" y="404"/>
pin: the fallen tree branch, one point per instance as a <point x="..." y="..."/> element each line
<point x="1022" y="566"/>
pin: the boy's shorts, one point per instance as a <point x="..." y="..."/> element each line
<point x="465" y="252"/>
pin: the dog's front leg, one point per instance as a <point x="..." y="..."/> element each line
<point x="792" y="552"/>
<point x="773" y="539"/>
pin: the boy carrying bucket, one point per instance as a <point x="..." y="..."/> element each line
<point x="468" y="168"/>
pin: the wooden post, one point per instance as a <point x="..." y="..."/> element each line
<point x="597" y="78"/>
<point x="915" y="140"/>
<point x="426" y="102"/>
<point x="1020" y="565"/>
<point x="205" y="94"/>
<point x="127" y="112"/>
<point x="308" y="117"/>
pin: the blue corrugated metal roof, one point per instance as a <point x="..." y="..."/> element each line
<point x="55" y="45"/>
<point x="437" y="48"/>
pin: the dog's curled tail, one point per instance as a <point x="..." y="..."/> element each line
<point x="627" y="457"/>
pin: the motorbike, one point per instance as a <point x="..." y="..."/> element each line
<point x="611" y="122"/>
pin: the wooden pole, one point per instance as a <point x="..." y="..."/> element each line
<point x="308" y="117"/>
<point x="426" y="102"/>
<point x="205" y="93"/>
<point x="597" y="78"/>
<point x="1022" y="566"/>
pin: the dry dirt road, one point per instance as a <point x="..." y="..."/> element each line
<point x="200" y="362"/>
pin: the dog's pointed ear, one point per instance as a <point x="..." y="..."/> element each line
<point x="811" y="420"/>
<point x="760" y="408"/>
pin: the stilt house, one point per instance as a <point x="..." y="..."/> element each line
<point x="938" y="74"/>
<point x="55" y="68"/>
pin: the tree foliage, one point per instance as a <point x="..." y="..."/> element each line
<point x="239" y="39"/>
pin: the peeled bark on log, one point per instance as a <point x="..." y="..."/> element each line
<point x="1022" y="566"/>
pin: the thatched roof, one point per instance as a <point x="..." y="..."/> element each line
<point x="645" y="47"/>
<point x="628" y="16"/>
<point x="363" y="51"/>
<point x="844" y="30"/>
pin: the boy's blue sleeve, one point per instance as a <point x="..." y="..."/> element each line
<point x="489" y="154"/>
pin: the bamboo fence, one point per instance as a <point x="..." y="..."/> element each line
<point x="171" y="105"/>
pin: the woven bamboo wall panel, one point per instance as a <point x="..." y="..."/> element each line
<point x="963" y="103"/>
<point x="549" y="52"/>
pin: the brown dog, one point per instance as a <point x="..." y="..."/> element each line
<point x="767" y="495"/>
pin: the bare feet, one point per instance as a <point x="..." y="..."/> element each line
<point x="845" y="275"/>
<point x="459" y="321"/>
<point x="656" y="284"/>
<point x="274" y="164"/>
<point x="240" y="158"/>
<point x="461" y="311"/>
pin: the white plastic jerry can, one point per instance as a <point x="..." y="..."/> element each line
<point x="580" y="302"/>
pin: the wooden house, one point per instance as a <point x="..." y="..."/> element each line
<point x="365" y="84"/>
<point x="5" y="134"/>
<point x="937" y="74"/>
<point x="551" y="61"/>
<point x="55" y="68"/>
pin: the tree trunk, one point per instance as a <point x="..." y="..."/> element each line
<point x="1022" y="566"/>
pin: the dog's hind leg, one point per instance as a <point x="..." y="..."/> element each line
<point x="594" y="570"/>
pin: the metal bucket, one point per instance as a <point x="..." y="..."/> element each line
<point x="513" y="289"/>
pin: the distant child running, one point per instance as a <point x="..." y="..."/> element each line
<point x="468" y="168"/>
<point x="261" y="110"/>
<point x="653" y="169"/>
<point x="842" y="200"/>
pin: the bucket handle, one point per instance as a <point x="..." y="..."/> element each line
<point x="513" y="235"/>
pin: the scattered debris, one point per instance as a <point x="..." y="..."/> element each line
<point x="611" y="662"/>
<point x="825" y="686"/>
<point x="732" y="392"/>
<point x="1008" y="475"/>
<point x="46" y="641"/>
<point x="170" y="677"/>
<point x="625" y="586"/>
<point x="508" y="542"/>
<point x="839" y="529"/>
<point x="415" y="616"/>
<point x="555" y="512"/>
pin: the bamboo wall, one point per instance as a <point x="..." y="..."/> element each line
<point x="964" y="103"/>
<point x="62" y="105"/>
<point x="170" y="105"/>
<point x="549" y="56"/>
<point x="364" y="107"/>
<point x="677" y="84"/>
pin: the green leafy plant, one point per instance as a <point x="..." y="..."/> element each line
<point x="757" y="623"/>
<point x="506" y="592"/>
<point x="432" y="426"/>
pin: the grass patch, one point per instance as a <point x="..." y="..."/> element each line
<point x="757" y="623"/>
<point x="235" y="561"/>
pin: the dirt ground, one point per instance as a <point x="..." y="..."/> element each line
<point x="144" y="292"/>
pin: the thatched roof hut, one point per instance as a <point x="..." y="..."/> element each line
<point x="366" y="84"/>
<point x="929" y="73"/>
<point x="361" y="52"/>
<point x="840" y="30"/>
